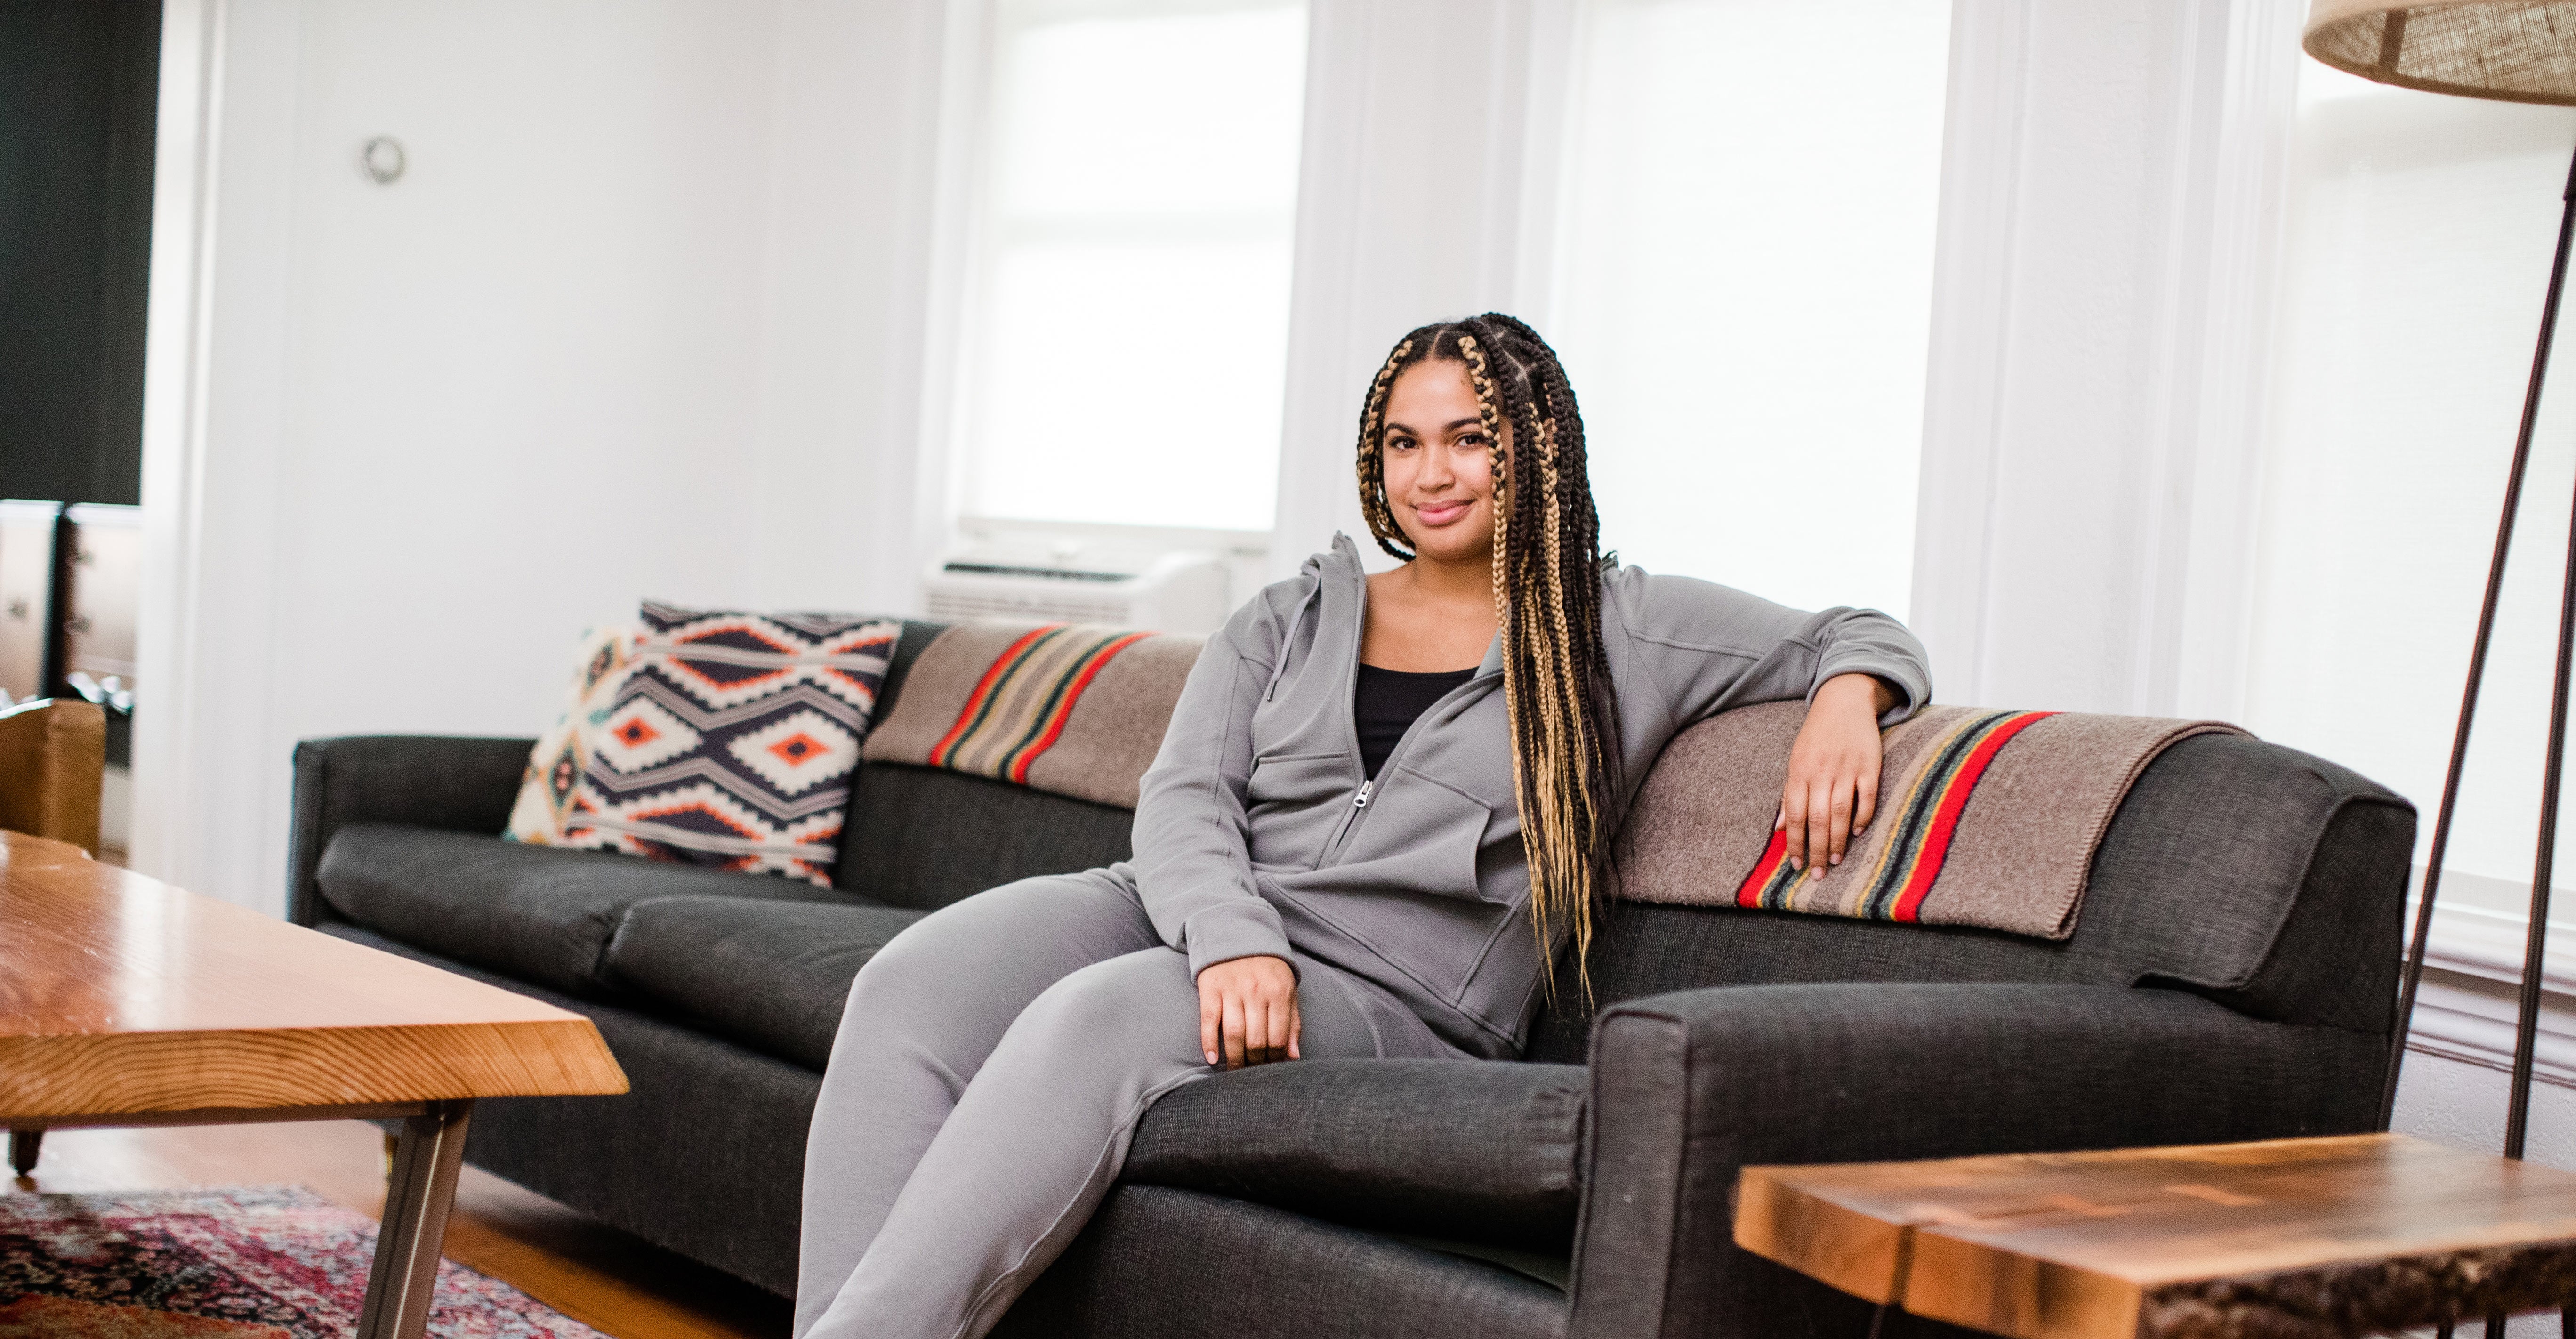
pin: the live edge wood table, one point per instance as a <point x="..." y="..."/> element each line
<point x="124" y="1001"/>
<point x="2284" y="1239"/>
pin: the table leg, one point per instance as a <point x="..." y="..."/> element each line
<point x="418" y="1195"/>
<point x="24" y="1148"/>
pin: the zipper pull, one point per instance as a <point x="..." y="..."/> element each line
<point x="1362" y="801"/>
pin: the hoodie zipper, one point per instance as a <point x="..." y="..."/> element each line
<point x="1368" y="787"/>
<point x="1359" y="801"/>
<point x="1351" y="731"/>
<point x="1350" y="717"/>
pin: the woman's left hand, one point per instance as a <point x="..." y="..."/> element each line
<point x="1833" y="769"/>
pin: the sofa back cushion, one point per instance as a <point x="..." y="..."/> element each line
<point x="2257" y="875"/>
<point x="924" y="837"/>
<point x="1072" y="709"/>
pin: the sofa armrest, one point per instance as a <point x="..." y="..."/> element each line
<point x="450" y="783"/>
<point x="1688" y="1088"/>
<point x="53" y="752"/>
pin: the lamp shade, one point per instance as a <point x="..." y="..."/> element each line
<point x="2511" y="50"/>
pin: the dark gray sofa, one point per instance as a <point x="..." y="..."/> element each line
<point x="2233" y="977"/>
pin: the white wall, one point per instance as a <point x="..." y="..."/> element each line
<point x="405" y="441"/>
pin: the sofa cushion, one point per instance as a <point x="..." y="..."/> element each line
<point x="1074" y="710"/>
<point x="769" y="975"/>
<point x="925" y="837"/>
<point x="1469" y="1150"/>
<point x="540" y="914"/>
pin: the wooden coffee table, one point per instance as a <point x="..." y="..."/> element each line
<point x="2285" y="1238"/>
<point x="124" y="1001"/>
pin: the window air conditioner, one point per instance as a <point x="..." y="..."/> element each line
<point x="1161" y="589"/>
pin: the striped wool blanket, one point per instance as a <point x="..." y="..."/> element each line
<point x="1058" y="707"/>
<point x="1986" y="818"/>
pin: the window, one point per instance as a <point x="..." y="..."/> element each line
<point x="2418" y="249"/>
<point x="1127" y="315"/>
<point x="1745" y="284"/>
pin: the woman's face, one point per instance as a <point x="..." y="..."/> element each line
<point x="1439" y="463"/>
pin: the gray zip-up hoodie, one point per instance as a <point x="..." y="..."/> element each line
<point x="1256" y="830"/>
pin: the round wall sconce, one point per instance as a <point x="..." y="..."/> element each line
<point x="383" y="160"/>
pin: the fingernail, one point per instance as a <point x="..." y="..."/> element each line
<point x="1795" y="863"/>
<point x="1835" y="860"/>
<point x="1211" y="1057"/>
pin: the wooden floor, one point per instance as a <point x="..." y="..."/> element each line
<point x="612" y="1282"/>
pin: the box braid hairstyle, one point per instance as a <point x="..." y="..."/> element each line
<point x="1547" y="596"/>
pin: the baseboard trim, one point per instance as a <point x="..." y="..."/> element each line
<point x="2470" y="1019"/>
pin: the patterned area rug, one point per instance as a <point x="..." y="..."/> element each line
<point x="251" y="1263"/>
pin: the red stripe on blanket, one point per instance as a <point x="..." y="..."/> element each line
<point x="1755" y="883"/>
<point x="994" y="673"/>
<point x="1018" y="767"/>
<point x="1945" y="819"/>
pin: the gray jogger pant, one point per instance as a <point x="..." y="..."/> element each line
<point x="990" y="1068"/>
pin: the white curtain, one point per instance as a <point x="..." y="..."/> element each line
<point x="1744" y="284"/>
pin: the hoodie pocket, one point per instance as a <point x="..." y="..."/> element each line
<point x="1418" y="836"/>
<point x="1291" y="805"/>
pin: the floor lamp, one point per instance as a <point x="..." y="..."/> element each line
<point x="2514" y="51"/>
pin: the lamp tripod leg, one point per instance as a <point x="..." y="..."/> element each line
<point x="2535" y="931"/>
<point x="2535" y="934"/>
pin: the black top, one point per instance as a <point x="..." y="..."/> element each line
<point x="1387" y="703"/>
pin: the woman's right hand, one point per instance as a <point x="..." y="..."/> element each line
<point x="1248" y="1011"/>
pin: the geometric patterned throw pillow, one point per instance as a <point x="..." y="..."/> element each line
<point x="731" y="740"/>
<point x="562" y="753"/>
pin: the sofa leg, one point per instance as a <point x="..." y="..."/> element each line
<point x="24" y="1145"/>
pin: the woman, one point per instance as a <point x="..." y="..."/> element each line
<point x="1382" y="810"/>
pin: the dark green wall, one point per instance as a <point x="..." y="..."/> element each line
<point x="78" y="80"/>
